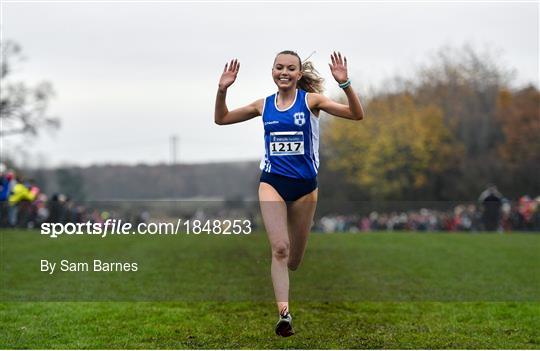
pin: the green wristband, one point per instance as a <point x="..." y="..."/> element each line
<point x="345" y="84"/>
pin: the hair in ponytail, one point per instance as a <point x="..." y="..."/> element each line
<point x="310" y="81"/>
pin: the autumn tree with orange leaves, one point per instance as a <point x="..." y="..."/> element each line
<point x="519" y="115"/>
<point x="399" y="151"/>
<point x="445" y="133"/>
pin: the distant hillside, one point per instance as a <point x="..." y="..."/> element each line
<point x="223" y="180"/>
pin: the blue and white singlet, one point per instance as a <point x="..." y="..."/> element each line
<point x="291" y="138"/>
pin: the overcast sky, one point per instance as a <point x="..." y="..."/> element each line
<point x="127" y="76"/>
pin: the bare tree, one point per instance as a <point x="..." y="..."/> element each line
<point x="23" y="109"/>
<point x="465" y="82"/>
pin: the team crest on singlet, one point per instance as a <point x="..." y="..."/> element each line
<point x="299" y="119"/>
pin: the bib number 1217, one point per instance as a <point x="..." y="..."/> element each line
<point x="286" y="143"/>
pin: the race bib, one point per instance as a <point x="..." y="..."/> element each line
<point x="286" y="143"/>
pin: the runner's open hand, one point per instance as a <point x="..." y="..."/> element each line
<point x="229" y="74"/>
<point x="338" y="67"/>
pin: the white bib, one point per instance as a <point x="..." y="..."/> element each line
<point x="286" y="143"/>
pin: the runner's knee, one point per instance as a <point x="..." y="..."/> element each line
<point x="293" y="264"/>
<point x="280" y="250"/>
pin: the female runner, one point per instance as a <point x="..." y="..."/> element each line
<point x="288" y="185"/>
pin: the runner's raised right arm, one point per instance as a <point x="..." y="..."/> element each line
<point x="222" y="115"/>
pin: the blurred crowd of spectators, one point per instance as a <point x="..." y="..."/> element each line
<point x="492" y="212"/>
<point x="23" y="205"/>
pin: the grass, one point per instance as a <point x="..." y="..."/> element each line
<point x="376" y="290"/>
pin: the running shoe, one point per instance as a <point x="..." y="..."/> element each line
<point x="284" y="325"/>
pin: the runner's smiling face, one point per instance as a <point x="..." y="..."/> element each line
<point x="286" y="71"/>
